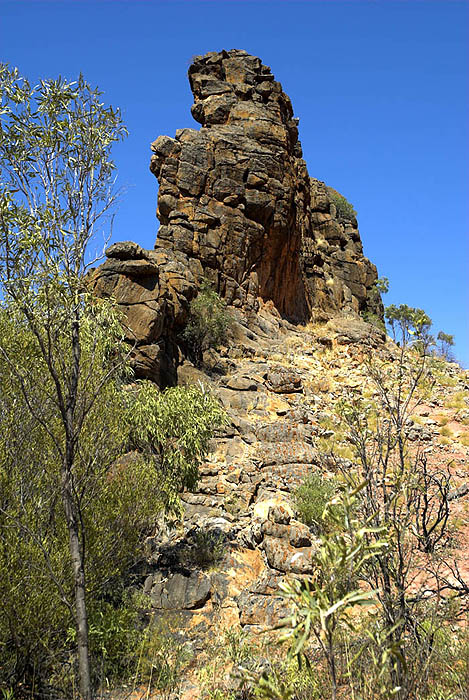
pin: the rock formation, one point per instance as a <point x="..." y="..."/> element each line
<point x="236" y="206"/>
<point x="237" y="197"/>
<point x="282" y="427"/>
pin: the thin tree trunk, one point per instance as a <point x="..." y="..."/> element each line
<point x="331" y="662"/>
<point x="76" y="544"/>
<point x="81" y="616"/>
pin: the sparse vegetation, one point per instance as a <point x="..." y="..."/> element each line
<point x="445" y="343"/>
<point x="208" y="323"/>
<point x="311" y="499"/>
<point x="162" y="656"/>
<point x="373" y="320"/>
<point x="409" y="324"/>
<point x="344" y="210"/>
<point x="206" y="549"/>
<point x="459" y="399"/>
<point x="321" y="385"/>
<point x="381" y="286"/>
<point x="402" y="505"/>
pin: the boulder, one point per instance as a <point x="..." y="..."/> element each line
<point x="180" y="592"/>
<point x="284" y="557"/>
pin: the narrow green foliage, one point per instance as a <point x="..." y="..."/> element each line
<point x="409" y="324"/>
<point x="445" y="343"/>
<point x="322" y="603"/>
<point x="162" y="656"/>
<point x="57" y="178"/>
<point x="344" y="210"/>
<point x="311" y="499"/>
<point x="86" y="464"/>
<point x="382" y="285"/>
<point x="120" y="496"/>
<point x="208" y="323"/>
<point x="115" y="634"/>
<point x="174" y="427"/>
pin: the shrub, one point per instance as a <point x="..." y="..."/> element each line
<point x="344" y="210"/>
<point x="289" y="678"/>
<point x="374" y="320"/>
<point x="120" y="498"/>
<point x="207" y="549"/>
<point x="409" y="324"/>
<point x="310" y="500"/>
<point x="162" y="656"/>
<point x="208" y="323"/>
<point x="115" y="632"/>
<point x="380" y="286"/>
<point x="445" y="343"/>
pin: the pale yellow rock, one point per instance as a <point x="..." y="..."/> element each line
<point x="261" y="509"/>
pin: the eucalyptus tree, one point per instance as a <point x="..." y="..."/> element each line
<point x="65" y="364"/>
<point x="57" y="189"/>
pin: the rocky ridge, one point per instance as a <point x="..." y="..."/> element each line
<point x="237" y="207"/>
<point x="282" y="427"/>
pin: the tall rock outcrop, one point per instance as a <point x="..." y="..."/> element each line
<point x="235" y="194"/>
<point x="237" y="206"/>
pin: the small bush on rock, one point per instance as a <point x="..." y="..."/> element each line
<point x="208" y="323"/>
<point x="344" y="210"/>
<point x="207" y="550"/>
<point x="381" y="286"/>
<point x="310" y="500"/>
<point x="374" y="320"/>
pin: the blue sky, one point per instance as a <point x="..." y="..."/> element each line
<point x="381" y="89"/>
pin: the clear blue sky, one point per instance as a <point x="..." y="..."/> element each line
<point x="381" y="89"/>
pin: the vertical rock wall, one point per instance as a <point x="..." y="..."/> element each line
<point x="236" y="196"/>
<point x="236" y="206"/>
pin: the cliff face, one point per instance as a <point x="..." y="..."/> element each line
<point x="237" y="206"/>
<point x="237" y="197"/>
<point x="235" y="194"/>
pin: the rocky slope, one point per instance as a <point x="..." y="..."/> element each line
<point x="281" y="400"/>
<point x="215" y="577"/>
<point x="236" y="206"/>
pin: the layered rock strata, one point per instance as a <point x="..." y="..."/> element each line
<point x="283" y="426"/>
<point x="237" y="206"/>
